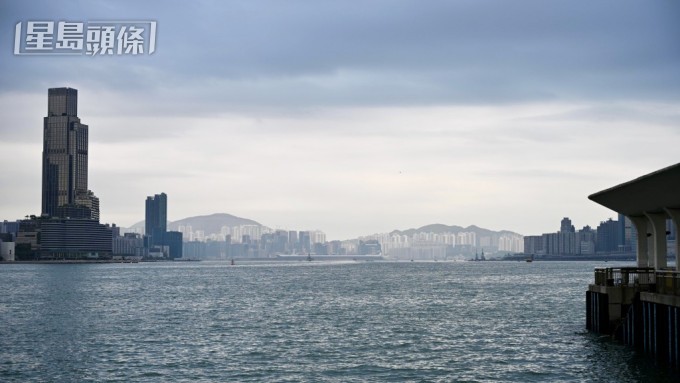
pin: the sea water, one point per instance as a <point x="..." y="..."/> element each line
<point x="307" y="322"/>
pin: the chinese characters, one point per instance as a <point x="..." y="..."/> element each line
<point x="92" y="38"/>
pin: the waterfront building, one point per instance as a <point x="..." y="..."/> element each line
<point x="156" y="214"/>
<point x="7" y="247"/>
<point x="533" y="244"/>
<point x="9" y="227"/>
<point x="277" y="243"/>
<point x="173" y="239"/>
<point x="293" y="241"/>
<point x="194" y="249"/>
<point x="320" y="248"/>
<point x="585" y="240"/>
<point x="567" y="241"/>
<point x="68" y="227"/>
<point x="305" y="242"/>
<point x="217" y="249"/>
<point x="7" y="251"/>
<point x="67" y="238"/>
<point x="129" y="244"/>
<point x="28" y="239"/>
<point x="511" y="243"/>
<point x="370" y="247"/>
<point x="317" y="236"/>
<point x="158" y="238"/>
<point x="608" y="236"/>
<point x="566" y="226"/>
<point x="65" y="158"/>
<point x="335" y="248"/>
<point x="566" y="238"/>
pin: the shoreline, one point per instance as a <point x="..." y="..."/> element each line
<point x="542" y="258"/>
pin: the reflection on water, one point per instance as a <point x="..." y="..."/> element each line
<point x="470" y="321"/>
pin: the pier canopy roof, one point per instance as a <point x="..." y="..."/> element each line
<point x="650" y="193"/>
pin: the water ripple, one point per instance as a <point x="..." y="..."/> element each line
<point x="386" y="322"/>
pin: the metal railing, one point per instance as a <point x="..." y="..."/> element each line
<point x="668" y="282"/>
<point x="646" y="278"/>
<point x="625" y="276"/>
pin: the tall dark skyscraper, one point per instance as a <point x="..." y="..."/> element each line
<point x="156" y="227"/>
<point x="156" y="214"/>
<point x="69" y="228"/>
<point x="65" y="153"/>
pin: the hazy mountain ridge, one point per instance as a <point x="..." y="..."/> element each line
<point x="210" y="224"/>
<point x="213" y="223"/>
<point x="439" y="228"/>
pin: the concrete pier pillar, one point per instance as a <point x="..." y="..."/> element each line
<point x="658" y="224"/>
<point x="675" y="216"/>
<point x="641" y="227"/>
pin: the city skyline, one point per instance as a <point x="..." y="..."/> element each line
<point x="389" y="117"/>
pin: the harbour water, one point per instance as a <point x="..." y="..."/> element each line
<point x="307" y="321"/>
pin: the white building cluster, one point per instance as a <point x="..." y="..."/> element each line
<point x="439" y="245"/>
<point x="511" y="243"/>
<point x="236" y="233"/>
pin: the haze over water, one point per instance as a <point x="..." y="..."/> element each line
<point x="334" y="322"/>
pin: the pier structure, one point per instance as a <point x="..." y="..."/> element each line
<point x="641" y="305"/>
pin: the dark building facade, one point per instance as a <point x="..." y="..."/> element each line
<point x="173" y="240"/>
<point x="608" y="236"/>
<point x="65" y="157"/>
<point x="156" y="226"/>
<point x="156" y="216"/>
<point x="68" y="227"/>
<point x="75" y="238"/>
<point x="63" y="238"/>
<point x="567" y="241"/>
<point x="566" y="226"/>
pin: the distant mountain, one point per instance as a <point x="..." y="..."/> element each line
<point x="210" y="224"/>
<point x="438" y="228"/>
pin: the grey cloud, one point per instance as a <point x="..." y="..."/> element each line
<point x="269" y="55"/>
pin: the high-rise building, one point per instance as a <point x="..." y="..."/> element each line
<point x="608" y="233"/>
<point x="305" y="242"/>
<point x="585" y="240"/>
<point x="65" y="155"/>
<point x="293" y="240"/>
<point x="69" y="226"/>
<point x="156" y="227"/>
<point x="156" y="213"/>
<point x="566" y="226"/>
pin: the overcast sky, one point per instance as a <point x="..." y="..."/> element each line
<point x="357" y="117"/>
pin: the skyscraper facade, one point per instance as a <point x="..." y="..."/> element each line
<point x="566" y="226"/>
<point x="156" y="227"/>
<point x="69" y="227"/>
<point x="156" y="216"/>
<point x="65" y="157"/>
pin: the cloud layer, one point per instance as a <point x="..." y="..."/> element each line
<point x="355" y="117"/>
